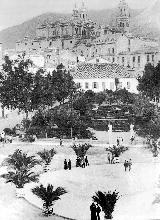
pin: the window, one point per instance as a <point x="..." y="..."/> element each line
<point x="139" y="59"/>
<point x="71" y="42"/>
<point x="111" y="85"/>
<point x="128" y="85"/>
<point x="120" y="85"/>
<point x="109" y="50"/>
<point x="153" y="58"/>
<point x="148" y="58"/>
<point x="25" y="43"/>
<point x="113" y="59"/>
<point x="86" y="85"/>
<point x="134" y="59"/>
<point x="112" y="50"/>
<point x="103" y="85"/>
<point x="95" y="85"/>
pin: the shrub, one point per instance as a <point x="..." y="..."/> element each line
<point x="107" y="201"/>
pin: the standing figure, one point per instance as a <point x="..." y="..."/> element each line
<point x="3" y="136"/>
<point x="77" y="162"/>
<point x="65" y="164"/>
<point x="109" y="158"/>
<point x="69" y="164"/>
<point x="132" y="139"/>
<point x="60" y="141"/>
<point x="86" y="161"/>
<point x="98" y="210"/>
<point x="125" y="165"/>
<point x="117" y="141"/>
<point x="129" y="164"/>
<point x="93" y="211"/>
<point x="83" y="163"/>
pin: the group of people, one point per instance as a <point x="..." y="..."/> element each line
<point x="82" y="162"/>
<point x="119" y="141"/>
<point x="110" y="158"/>
<point x="95" y="211"/>
<point x="128" y="164"/>
<point x="67" y="165"/>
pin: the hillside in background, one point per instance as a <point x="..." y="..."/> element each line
<point x="10" y="35"/>
<point x="143" y="23"/>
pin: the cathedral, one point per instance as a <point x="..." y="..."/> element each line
<point x="85" y="40"/>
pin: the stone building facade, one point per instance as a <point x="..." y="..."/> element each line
<point x="84" y="38"/>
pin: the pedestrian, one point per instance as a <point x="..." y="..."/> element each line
<point x="98" y="210"/>
<point x="132" y="139"/>
<point x="77" y="162"/>
<point x="3" y="136"/>
<point x="83" y="163"/>
<point x="93" y="211"/>
<point x="60" y="141"/>
<point x="69" y="164"/>
<point x="117" y="141"/>
<point x="112" y="159"/>
<point x="125" y="165"/>
<point x="86" y="161"/>
<point x="65" y="164"/>
<point x="109" y="158"/>
<point x="130" y="164"/>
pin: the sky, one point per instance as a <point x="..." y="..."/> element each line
<point x="13" y="12"/>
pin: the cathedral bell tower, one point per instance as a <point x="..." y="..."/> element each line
<point x="75" y="14"/>
<point x="83" y="12"/>
<point x="123" y="17"/>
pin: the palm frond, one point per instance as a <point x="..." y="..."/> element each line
<point x="48" y="194"/>
<point x="47" y="155"/>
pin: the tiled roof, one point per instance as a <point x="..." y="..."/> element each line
<point x="103" y="70"/>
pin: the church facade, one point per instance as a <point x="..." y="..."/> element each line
<point x="82" y="37"/>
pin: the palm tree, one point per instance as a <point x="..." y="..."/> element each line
<point x="20" y="165"/>
<point x="107" y="202"/>
<point x="116" y="151"/>
<point x="20" y="178"/>
<point x="47" y="156"/>
<point x="81" y="150"/>
<point x="19" y="160"/>
<point x="49" y="196"/>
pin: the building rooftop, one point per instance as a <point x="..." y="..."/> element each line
<point x="103" y="70"/>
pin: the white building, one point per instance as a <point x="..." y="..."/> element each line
<point x="99" y="77"/>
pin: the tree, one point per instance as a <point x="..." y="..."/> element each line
<point x="107" y="201"/>
<point x="62" y="84"/>
<point x="19" y="160"/>
<point x="66" y="118"/>
<point x="20" y="165"/>
<point x="116" y="151"/>
<point x="147" y="121"/>
<point x="100" y="97"/>
<point x="49" y="196"/>
<point x="81" y="150"/>
<point x="17" y="84"/>
<point x="149" y="83"/>
<point x="20" y="178"/>
<point x="47" y="156"/>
